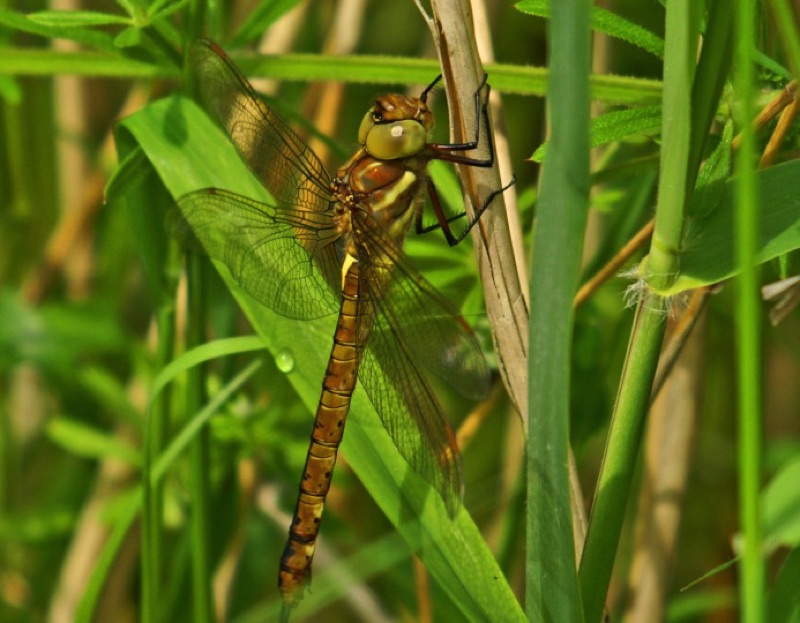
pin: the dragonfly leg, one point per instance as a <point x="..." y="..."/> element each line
<point x="443" y="221"/>
<point x="441" y="151"/>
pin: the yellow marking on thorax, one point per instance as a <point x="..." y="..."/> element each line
<point x="399" y="187"/>
<point x="349" y="260"/>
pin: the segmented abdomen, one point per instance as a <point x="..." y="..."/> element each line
<point x="337" y="389"/>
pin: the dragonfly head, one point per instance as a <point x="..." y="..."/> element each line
<point x="395" y="127"/>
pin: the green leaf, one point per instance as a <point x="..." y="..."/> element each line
<point x="146" y="201"/>
<point x="71" y="19"/>
<point x="708" y="255"/>
<point x="54" y="337"/>
<point x="129" y="38"/>
<point x="40" y="526"/>
<point x="164" y="8"/>
<point x="196" y="422"/>
<point x="781" y="500"/>
<point x="109" y="392"/>
<point x="9" y="90"/>
<point x="130" y="504"/>
<point x="517" y="79"/>
<point x="91" y="38"/>
<point x="131" y="172"/>
<point x="784" y="598"/>
<point x="190" y="152"/>
<point x="712" y="572"/>
<point x="606" y="22"/>
<point x="90" y="442"/>
<point x="522" y="80"/>
<point x="200" y="354"/>
<point x="772" y="65"/>
<point x="710" y="187"/>
<point x="616" y="125"/>
<point x="48" y="62"/>
<point x="187" y="150"/>
<point x="262" y="17"/>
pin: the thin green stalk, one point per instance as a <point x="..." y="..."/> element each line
<point x="153" y="493"/>
<point x="199" y="461"/>
<point x="622" y="448"/>
<point x="680" y="52"/>
<point x="552" y="592"/>
<point x="786" y="23"/>
<point x="690" y="99"/>
<point x="199" y="484"/>
<point x="748" y="328"/>
<point x="20" y="177"/>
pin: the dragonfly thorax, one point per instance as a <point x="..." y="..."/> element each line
<point x="387" y="190"/>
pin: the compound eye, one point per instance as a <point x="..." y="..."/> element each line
<point x="390" y="141"/>
<point x="367" y="123"/>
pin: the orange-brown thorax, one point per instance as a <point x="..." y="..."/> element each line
<point x="386" y="176"/>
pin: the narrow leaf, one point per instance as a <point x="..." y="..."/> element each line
<point x="71" y="19"/>
<point x="708" y="253"/>
<point x="90" y="442"/>
<point x="606" y="22"/>
<point x="91" y="38"/>
<point x="615" y="126"/>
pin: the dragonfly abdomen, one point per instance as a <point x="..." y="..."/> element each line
<point x="337" y="389"/>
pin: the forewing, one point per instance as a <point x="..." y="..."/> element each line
<point x="287" y="167"/>
<point x="273" y="252"/>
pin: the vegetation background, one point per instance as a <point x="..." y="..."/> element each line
<point x="93" y="310"/>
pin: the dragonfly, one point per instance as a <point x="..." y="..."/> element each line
<point x="332" y="244"/>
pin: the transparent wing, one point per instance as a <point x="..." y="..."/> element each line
<point x="287" y="167"/>
<point x="411" y="329"/>
<point x="281" y="256"/>
<point x="435" y="332"/>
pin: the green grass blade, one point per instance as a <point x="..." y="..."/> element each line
<point x="202" y="353"/>
<point x="123" y="522"/>
<point x="552" y="592"/>
<point x="195" y="423"/>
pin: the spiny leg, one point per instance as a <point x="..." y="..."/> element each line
<point x="443" y="221"/>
